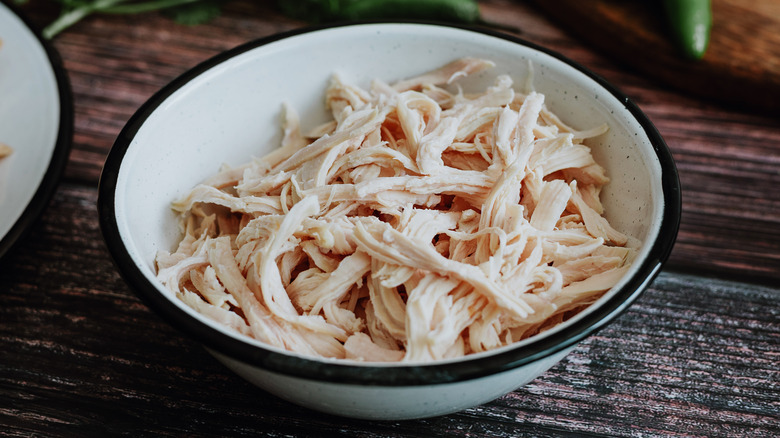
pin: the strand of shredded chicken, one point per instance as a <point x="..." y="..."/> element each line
<point x="5" y="150"/>
<point x="421" y="223"/>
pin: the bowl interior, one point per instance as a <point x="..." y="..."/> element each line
<point x="228" y="112"/>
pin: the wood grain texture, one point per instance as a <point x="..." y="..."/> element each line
<point x="742" y="63"/>
<point x="82" y="356"/>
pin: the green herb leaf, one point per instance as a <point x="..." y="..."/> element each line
<point x="192" y="14"/>
<point x="137" y="7"/>
<point x="189" y="12"/>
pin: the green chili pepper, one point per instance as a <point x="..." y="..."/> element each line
<point x="461" y="11"/>
<point x="690" y="22"/>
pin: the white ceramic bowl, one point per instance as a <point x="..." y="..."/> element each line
<point x="227" y="110"/>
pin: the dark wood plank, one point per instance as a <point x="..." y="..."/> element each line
<point x="741" y="65"/>
<point x="82" y="356"/>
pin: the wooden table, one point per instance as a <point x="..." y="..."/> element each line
<point x="697" y="355"/>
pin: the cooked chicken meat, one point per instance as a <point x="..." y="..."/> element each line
<point x="5" y="150"/>
<point x="421" y="223"/>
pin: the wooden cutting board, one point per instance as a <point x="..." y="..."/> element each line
<point x="741" y="66"/>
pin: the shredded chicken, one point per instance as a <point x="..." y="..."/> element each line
<point x="5" y="150"/>
<point x="421" y="223"/>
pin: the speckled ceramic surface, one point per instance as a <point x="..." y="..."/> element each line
<point x="396" y="402"/>
<point x="227" y="110"/>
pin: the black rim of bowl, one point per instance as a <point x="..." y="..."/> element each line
<point x="383" y="375"/>
<point x="59" y="156"/>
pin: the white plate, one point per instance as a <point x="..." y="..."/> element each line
<point x="36" y="120"/>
